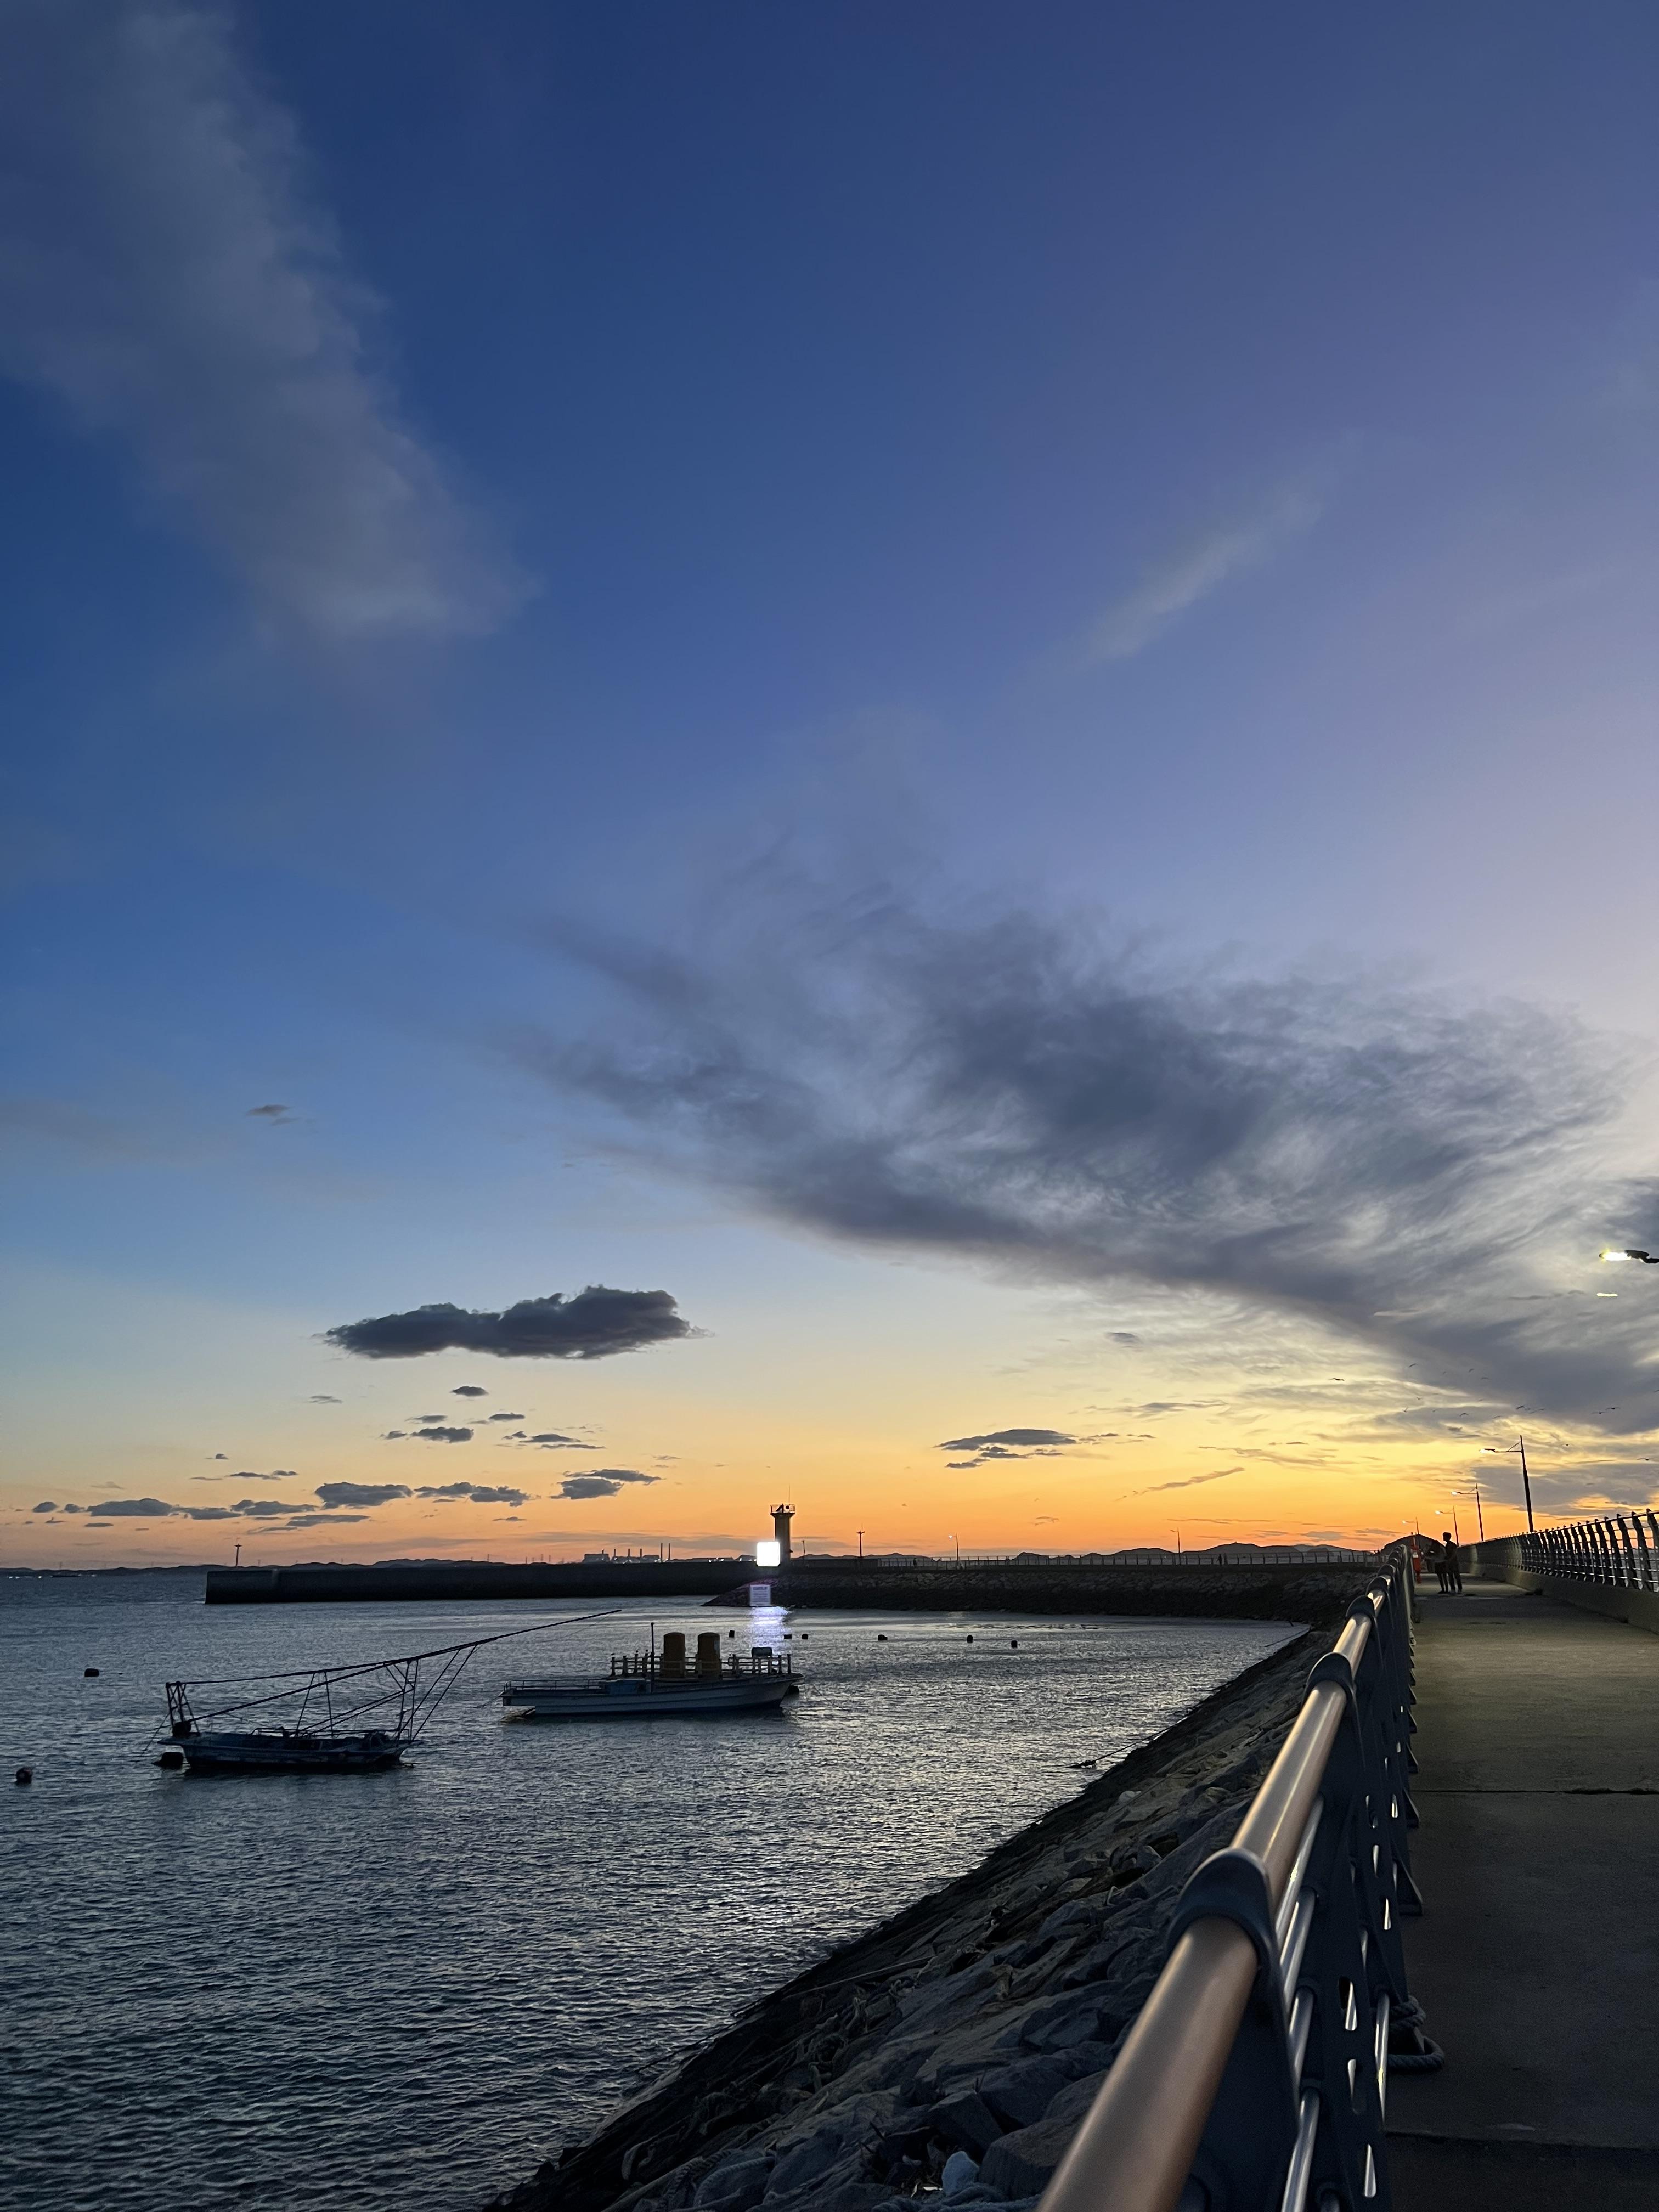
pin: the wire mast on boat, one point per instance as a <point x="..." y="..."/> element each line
<point x="360" y="1715"/>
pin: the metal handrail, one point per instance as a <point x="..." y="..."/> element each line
<point x="1613" y="1550"/>
<point x="1255" y="2071"/>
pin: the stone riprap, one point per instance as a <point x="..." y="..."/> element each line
<point x="960" y="2044"/>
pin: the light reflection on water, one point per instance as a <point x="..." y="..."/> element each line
<point x="407" y="1989"/>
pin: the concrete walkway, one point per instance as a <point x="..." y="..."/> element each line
<point x="1537" y="1958"/>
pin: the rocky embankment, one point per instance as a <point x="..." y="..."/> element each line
<point x="961" y="2043"/>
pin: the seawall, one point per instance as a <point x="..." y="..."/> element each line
<point x="1314" y="1593"/>
<point x="472" y="1580"/>
<point x="980" y="2020"/>
<point x="1299" y="1592"/>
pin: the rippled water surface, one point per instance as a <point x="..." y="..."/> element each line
<point x="405" y="1990"/>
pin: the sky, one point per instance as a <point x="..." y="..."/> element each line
<point x="901" y="758"/>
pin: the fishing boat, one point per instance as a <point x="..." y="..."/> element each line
<point x="226" y="1750"/>
<point x="649" y="1685"/>
<point x="346" y="1719"/>
<point x="335" y="1719"/>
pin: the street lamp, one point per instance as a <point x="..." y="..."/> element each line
<point x="1508" y="1451"/>
<point x="1647" y="1258"/>
<point x="1473" y="1492"/>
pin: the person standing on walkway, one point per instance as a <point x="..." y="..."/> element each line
<point x="1439" y="1551"/>
<point x="1453" y="1577"/>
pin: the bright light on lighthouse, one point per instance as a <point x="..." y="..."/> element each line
<point x="769" y="1552"/>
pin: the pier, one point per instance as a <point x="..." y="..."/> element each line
<point x="1537" y="1958"/>
<point x="1371" y="1927"/>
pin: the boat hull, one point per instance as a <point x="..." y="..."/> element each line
<point x="636" y="1698"/>
<point x="225" y="1752"/>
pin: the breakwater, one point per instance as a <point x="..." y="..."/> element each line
<point x="1292" y="1591"/>
<point x="1317" y="1593"/>
<point x="977" y="2026"/>
<point x="472" y="1581"/>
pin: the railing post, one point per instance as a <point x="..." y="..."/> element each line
<point x="1643" y="1562"/>
<point x="1611" y="1569"/>
<point x="1354" y="1965"/>
<point x="1251" y="2128"/>
<point x="1632" y="1573"/>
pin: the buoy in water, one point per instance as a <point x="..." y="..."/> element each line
<point x="25" y="1776"/>
<point x="1013" y="1644"/>
<point x="881" y="1639"/>
<point x="970" y="1640"/>
<point x="89" y="1672"/>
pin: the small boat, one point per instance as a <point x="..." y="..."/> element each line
<point x="221" y="1750"/>
<point x="336" y="1719"/>
<point x="642" y="1685"/>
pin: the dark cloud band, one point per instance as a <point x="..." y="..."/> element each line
<point x="1427" y="1177"/>
<point x="595" y="1324"/>
<point x="1027" y="1438"/>
<point x="604" y="1482"/>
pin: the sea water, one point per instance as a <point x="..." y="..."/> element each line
<point x="405" y="1990"/>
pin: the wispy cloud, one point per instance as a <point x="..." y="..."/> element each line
<point x="1398" y="1166"/>
<point x="1230" y="546"/>
<point x="23" y="1119"/>
<point x="167" y="271"/>
<point x="1190" y="1482"/>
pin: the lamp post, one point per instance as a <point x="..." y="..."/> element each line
<point x="1508" y="1451"/>
<point x="1632" y="1252"/>
<point x="1473" y="1490"/>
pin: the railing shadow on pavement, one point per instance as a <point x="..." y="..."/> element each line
<point x="1255" y="2077"/>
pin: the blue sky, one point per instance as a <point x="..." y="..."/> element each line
<point x="546" y="544"/>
